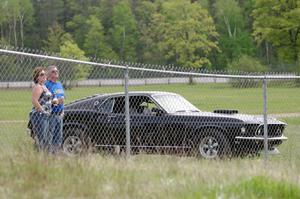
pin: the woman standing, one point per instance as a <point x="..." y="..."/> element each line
<point x="39" y="116"/>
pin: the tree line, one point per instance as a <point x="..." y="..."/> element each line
<point x="246" y="35"/>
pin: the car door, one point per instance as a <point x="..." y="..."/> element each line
<point x="111" y="122"/>
<point x="147" y="126"/>
<point x="116" y="122"/>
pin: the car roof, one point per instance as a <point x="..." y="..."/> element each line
<point x="137" y="93"/>
<point x="106" y="95"/>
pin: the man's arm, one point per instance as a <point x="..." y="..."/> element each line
<point x="61" y="100"/>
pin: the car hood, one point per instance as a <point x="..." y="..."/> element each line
<point x="257" y="119"/>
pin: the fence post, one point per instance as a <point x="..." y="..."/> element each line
<point x="265" y="120"/>
<point x="127" y="116"/>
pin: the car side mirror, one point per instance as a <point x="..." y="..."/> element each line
<point x="157" y="111"/>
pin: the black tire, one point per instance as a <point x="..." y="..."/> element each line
<point x="75" y="142"/>
<point x="212" y="144"/>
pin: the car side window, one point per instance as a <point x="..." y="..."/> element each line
<point x="142" y="105"/>
<point x="107" y="106"/>
<point x="119" y="105"/>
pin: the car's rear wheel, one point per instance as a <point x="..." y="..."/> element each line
<point x="73" y="145"/>
<point x="76" y="143"/>
<point x="212" y="144"/>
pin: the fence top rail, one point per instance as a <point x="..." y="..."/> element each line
<point x="150" y="69"/>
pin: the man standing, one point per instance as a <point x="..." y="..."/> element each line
<point x="56" y="117"/>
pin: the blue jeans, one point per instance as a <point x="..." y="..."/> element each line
<point x="56" y="125"/>
<point x="40" y="126"/>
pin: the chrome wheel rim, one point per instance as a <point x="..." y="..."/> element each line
<point x="72" y="145"/>
<point x="209" y="147"/>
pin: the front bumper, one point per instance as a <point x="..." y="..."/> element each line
<point x="258" y="138"/>
<point x="254" y="144"/>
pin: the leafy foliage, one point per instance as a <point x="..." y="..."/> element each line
<point x="56" y="37"/>
<point x="235" y="40"/>
<point x="277" y="23"/>
<point x="184" y="33"/>
<point x="198" y="33"/>
<point x="124" y="31"/>
<point x="247" y="64"/>
<point x="72" y="72"/>
<point x="95" y="43"/>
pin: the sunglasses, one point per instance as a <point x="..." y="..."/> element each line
<point x="42" y="74"/>
<point x="55" y="71"/>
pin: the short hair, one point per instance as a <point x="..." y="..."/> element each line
<point x="49" y="68"/>
<point x="36" y="73"/>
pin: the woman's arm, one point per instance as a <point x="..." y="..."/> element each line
<point x="36" y="93"/>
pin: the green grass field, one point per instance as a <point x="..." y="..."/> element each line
<point x="24" y="173"/>
<point x="15" y="104"/>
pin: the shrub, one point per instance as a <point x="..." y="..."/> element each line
<point x="249" y="65"/>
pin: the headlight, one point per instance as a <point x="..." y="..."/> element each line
<point x="258" y="132"/>
<point x="279" y="132"/>
<point x="243" y="130"/>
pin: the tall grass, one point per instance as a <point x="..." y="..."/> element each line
<point x="25" y="173"/>
<point x="35" y="175"/>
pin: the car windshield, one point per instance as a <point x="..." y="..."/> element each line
<point x="175" y="103"/>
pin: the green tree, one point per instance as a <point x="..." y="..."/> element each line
<point x="56" y="37"/>
<point x="246" y="63"/>
<point x="13" y="9"/>
<point x="276" y="24"/>
<point x="15" y="16"/>
<point x="76" y="7"/>
<point x="234" y="40"/>
<point x="73" y="72"/>
<point x="25" y="16"/>
<point x="95" y="44"/>
<point x="77" y="13"/>
<point x="106" y="10"/>
<point x="77" y="26"/>
<point x="47" y="13"/>
<point x="184" y="33"/>
<point x="147" y="48"/>
<point x="3" y="22"/>
<point x="124" y="34"/>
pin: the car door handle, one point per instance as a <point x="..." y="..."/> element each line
<point x="110" y="117"/>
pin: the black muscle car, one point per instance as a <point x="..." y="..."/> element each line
<point x="161" y="122"/>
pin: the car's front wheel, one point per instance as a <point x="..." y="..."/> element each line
<point x="212" y="144"/>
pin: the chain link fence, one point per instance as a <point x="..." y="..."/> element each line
<point x="128" y="108"/>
